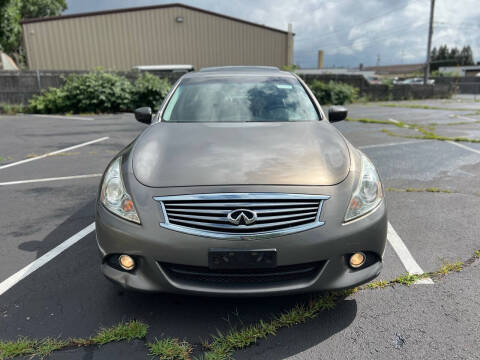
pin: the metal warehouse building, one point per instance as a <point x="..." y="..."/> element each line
<point x="154" y="35"/>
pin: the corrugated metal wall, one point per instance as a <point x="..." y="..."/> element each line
<point x="151" y="37"/>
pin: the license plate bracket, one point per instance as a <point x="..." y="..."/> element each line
<point x="241" y="259"/>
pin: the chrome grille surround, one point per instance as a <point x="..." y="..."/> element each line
<point x="206" y="214"/>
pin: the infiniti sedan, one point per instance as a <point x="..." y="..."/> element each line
<point x="240" y="186"/>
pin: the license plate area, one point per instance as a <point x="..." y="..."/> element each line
<point x="242" y="259"/>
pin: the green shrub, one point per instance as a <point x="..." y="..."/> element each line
<point x="333" y="92"/>
<point x="11" y="109"/>
<point x="149" y="90"/>
<point x="49" y="101"/>
<point x="97" y="91"/>
<point x="94" y="92"/>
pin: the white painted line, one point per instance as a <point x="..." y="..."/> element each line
<point x="54" y="152"/>
<point x="50" y="179"/>
<point x="391" y="144"/>
<point x="466" y="118"/>
<point x="405" y="256"/>
<point x="464" y="147"/>
<point x="45" y="258"/>
<point x="64" y="117"/>
<point x="393" y="120"/>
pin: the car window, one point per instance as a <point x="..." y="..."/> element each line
<point x="240" y="99"/>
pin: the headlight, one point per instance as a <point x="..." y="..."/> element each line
<point x="114" y="196"/>
<point x="368" y="193"/>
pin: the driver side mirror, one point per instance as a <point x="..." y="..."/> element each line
<point x="337" y="113"/>
<point x="144" y="115"/>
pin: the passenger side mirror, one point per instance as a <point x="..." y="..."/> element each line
<point x="337" y="113"/>
<point x="144" y="115"/>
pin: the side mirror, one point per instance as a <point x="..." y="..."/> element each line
<point x="337" y="113"/>
<point x="144" y="115"/>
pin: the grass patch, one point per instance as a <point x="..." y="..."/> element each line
<point x="449" y="267"/>
<point x="46" y="346"/>
<point x="41" y="348"/>
<point x="408" y="279"/>
<point x="455" y="123"/>
<point x="123" y="331"/>
<point x="379" y="284"/>
<point x="427" y="135"/>
<point x="223" y="345"/>
<point x="376" y="121"/>
<point x="170" y="349"/>
<point x="425" y="107"/>
<point x="21" y="347"/>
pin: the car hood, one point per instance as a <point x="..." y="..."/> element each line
<point x="281" y="153"/>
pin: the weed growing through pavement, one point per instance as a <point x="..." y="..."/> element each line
<point x="427" y="107"/>
<point x="426" y="131"/>
<point x="170" y="349"/>
<point x="24" y="346"/>
<point x="221" y="346"/>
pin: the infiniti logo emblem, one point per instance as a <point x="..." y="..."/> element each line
<point x="242" y="217"/>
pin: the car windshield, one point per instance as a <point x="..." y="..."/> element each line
<point x="240" y="99"/>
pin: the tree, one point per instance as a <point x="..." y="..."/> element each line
<point x="466" y="56"/>
<point x="12" y="12"/>
<point x="40" y="8"/>
<point x="443" y="56"/>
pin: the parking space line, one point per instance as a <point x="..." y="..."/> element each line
<point x="466" y="118"/>
<point x="54" y="152"/>
<point x="405" y="256"/>
<point x="390" y="144"/>
<point x="42" y="260"/>
<point x="50" y="179"/>
<point x="464" y="146"/>
<point x="64" y="117"/>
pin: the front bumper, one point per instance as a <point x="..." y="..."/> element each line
<point x="329" y="245"/>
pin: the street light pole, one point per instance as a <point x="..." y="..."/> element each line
<point x="429" y="45"/>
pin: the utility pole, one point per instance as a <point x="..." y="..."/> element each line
<point x="429" y="45"/>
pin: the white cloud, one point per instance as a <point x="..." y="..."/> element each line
<point x="397" y="30"/>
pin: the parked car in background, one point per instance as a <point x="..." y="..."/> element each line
<point x="414" y="81"/>
<point x="373" y="79"/>
<point x="241" y="186"/>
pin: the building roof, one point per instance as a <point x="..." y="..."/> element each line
<point x="395" y="69"/>
<point x="142" y="8"/>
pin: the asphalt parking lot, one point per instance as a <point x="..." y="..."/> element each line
<point x="48" y="200"/>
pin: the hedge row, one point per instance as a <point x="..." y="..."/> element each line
<point x="100" y="92"/>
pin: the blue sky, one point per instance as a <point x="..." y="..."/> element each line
<point x="388" y="31"/>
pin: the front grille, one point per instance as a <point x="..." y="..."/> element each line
<point x="273" y="214"/>
<point x="281" y="274"/>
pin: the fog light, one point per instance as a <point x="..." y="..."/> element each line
<point x="357" y="260"/>
<point x="126" y="262"/>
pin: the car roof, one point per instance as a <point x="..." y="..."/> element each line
<point x="239" y="70"/>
